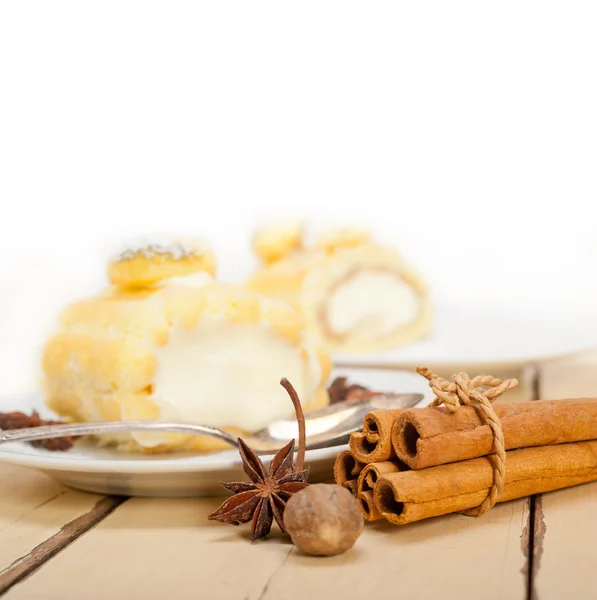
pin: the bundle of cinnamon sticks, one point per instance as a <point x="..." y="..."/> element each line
<point x="412" y="464"/>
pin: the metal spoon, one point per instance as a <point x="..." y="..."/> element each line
<point x="329" y="426"/>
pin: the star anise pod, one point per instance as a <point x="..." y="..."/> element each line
<point x="19" y="420"/>
<point x="264" y="498"/>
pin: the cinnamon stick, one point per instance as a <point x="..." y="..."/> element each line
<point x="374" y="444"/>
<point x="373" y="471"/>
<point x="367" y="505"/>
<point x="366" y="483"/>
<point x="347" y="470"/>
<point x="352" y="486"/>
<point x="409" y="496"/>
<point x="426" y="437"/>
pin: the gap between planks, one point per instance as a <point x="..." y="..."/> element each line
<point x="33" y="560"/>
<point x="532" y="536"/>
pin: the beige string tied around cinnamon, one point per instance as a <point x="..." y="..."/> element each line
<point x="479" y="392"/>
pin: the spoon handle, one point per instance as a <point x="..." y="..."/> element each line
<point x="47" y="432"/>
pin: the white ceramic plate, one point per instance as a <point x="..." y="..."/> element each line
<point x="107" y="471"/>
<point x="465" y="337"/>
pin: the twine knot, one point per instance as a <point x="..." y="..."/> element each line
<point x="478" y="392"/>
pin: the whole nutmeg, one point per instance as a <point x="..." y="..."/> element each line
<point x="323" y="519"/>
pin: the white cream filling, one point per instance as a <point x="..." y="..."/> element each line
<point x="194" y="280"/>
<point x="371" y="303"/>
<point x="226" y="375"/>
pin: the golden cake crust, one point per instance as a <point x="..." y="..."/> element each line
<point x="275" y="242"/>
<point x="148" y="264"/>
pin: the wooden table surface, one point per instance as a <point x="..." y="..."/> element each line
<point x="56" y="543"/>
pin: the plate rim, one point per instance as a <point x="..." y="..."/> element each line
<point x="190" y="464"/>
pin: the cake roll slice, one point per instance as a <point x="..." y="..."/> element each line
<point x="365" y="299"/>
<point x="356" y="295"/>
<point x="213" y="355"/>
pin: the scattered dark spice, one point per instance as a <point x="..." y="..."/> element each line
<point x="340" y="391"/>
<point x="19" y="420"/>
<point x="264" y="498"/>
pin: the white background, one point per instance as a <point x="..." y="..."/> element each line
<point x="464" y="133"/>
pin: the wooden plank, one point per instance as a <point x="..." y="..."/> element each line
<point x="33" y="508"/>
<point x="565" y="522"/>
<point x="565" y="550"/>
<point x="157" y="548"/>
<point x="571" y="377"/>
